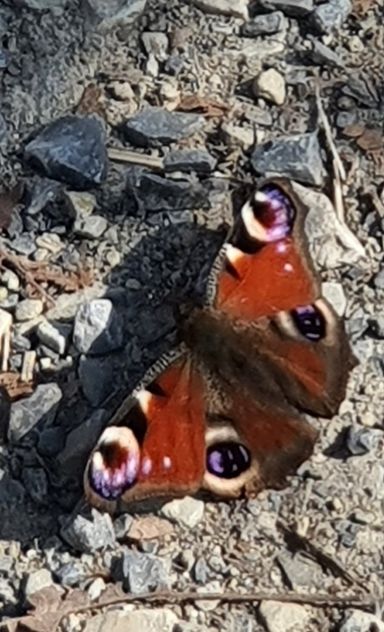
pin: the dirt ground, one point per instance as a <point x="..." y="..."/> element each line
<point x="318" y="544"/>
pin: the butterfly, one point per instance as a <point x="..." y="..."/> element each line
<point x="225" y="411"/>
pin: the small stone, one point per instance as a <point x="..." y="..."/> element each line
<point x="28" y="309"/>
<point x="155" y="43"/>
<point x="97" y="378"/>
<point x="334" y="293"/>
<point x="266" y="24"/>
<point x="51" y="441"/>
<point x="200" y="571"/>
<point x="270" y="85"/>
<point x="239" y="135"/>
<point x="359" y="621"/>
<point x="323" y="55"/>
<point x="122" y="526"/>
<point x="90" y="227"/>
<point x="292" y="8"/>
<point x="210" y="604"/>
<point x="143" y="573"/>
<point x="37" y="581"/>
<point x="51" y="337"/>
<point x="378" y="281"/>
<point x="40" y="407"/>
<point x="81" y="203"/>
<point x="98" y="328"/>
<point x="67" y="305"/>
<point x="122" y="90"/>
<point x="24" y="244"/>
<point x="90" y="533"/>
<point x="110" y="13"/>
<point x="360" y="441"/>
<point x="300" y="571"/>
<point x="71" y="149"/>
<point x="50" y="242"/>
<point x="69" y="574"/>
<point x="96" y="588"/>
<point x="155" y="126"/>
<point x="153" y="193"/>
<point x="10" y="280"/>
<point x="238" y="9"/>
<point x="297" y="157"/>
<point x="149" y="528"/>
<point x="329" y="16"/>
<point x="284" y="617"/>
<point x="189" y="160"/>
<point x="186" y="512"/>
<point x="148" y="620"/>
<point x="42" y="192"/>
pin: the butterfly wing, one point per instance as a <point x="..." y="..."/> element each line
<point x="266" y="281"/>
<point x="155" y="445"/>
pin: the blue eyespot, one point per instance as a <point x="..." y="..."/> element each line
<point x="310" y="322"/>
<point x="274" y="210"/>
<point x="228" y="460"/>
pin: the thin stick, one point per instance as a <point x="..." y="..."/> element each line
<point x="328" y="133"/>
<point x="125" y="155"/>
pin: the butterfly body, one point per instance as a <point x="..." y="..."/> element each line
<point x="224" y="413"/>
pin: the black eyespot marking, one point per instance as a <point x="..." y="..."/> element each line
<point x="274" y="210"/>
<point x="310" y="322"/>
<point x="228" y="459"/>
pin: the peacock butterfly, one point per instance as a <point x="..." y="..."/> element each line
<point x="224" y="412"/>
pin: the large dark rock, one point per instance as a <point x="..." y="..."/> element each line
<point x="72" y="150"/>
<point x="152" y="193"/>
<point x="155" y="126"/>
<point x="297" y="157"/>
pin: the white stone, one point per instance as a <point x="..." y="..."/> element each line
<point x="270" y="85"/>
<point x="284" y="617"/>
<point x="359" y="621"/>
<point x="37" y="580"/>
<point x="334" y="294"/>
<point x="186" y="512"/>
<point x="28" y="309"/>
<point x="51" y="337"/>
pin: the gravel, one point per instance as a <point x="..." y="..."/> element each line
<point x="178" y="93"/>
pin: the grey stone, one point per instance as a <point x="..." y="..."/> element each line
<point x="7" y="592"/>
<point x="142" y="573"/>
<point x="346" y="118"/>
<point x="44" y="5"/>
<point x="329" y="16"/>
<point x="69" y="574"/>
<point x="378" y="325"/>
<point x="188" y="160"/>
<point x="24" y="244"/>
<point x="79" y="444"/>
<point x="36" y="483"/>
<point x="200" y="571"/>
<point x="266" y="24"/>
<point x="42" y="192"/>
<point x="40" y="407"/>
<point x="324" y="56"/>
<point x="72" y="150"/>
<point x="90" y="533"/>
<point x="297" y="157"/>
<point x="37" y="581"/>
<point x="293" y="8"/>
<point x="300" y="571"/>
<point x="152" y="193"/>
<point x="156" y="126"/>
<point x="284" y="617"/>
<point x="51" y="337"/>
<point x="112" y="13"/>
<point x="10" y="280"/>
<point x="98" y="328"/>
<point x="67" y="305"/>
<point x="51" y="441"/>
<point x="122" y="525"/>
<point x="359" y="621"/>
<point x="28" y="309"/>
<point x="80" y="203"/>
<point x="90" y="227"/>
<point x="148" y="620"/>
<point x="334" y="293"/>
<point x="360" y="441"/>
<point x="378" y="281"/>
<point x="187" y="512"/>
<point x="97" y="378"/>
<point x="237" y="9"/>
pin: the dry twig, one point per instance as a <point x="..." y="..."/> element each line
<point x="133" y="157"/>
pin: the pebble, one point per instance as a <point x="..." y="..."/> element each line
<point x="284" y="617"/>
<point x="81" y="204"/>
<point x="323" y="55"/>
<point x="359" y="621"/>
<point x="142" y="573"/>
<point x="97" y="378"/>
<point x="98" y="328"/>
<point x="292" y="8"/>
<point x="152" y="193"/>
<point x="69" y="574"/>
<point x="67" y="305"/>
<point x="51" y="337"/>
<point x="71" y="149"/>
<point x="149" y="620"/>
<point x="90" y="227"/>
<point x="238" y="9"/>
<point x="155" y="43"/>
<point x="266" y="24"/>
<point x="37" y="581"/>
<point x="330" y="16"/>
<point x="270" y="85"/>
<point x="10" y="280"/>
<point x="197" y="160"/>
<point x="378" y="280"/>
<point x="238" y="135"/>
<point x="122" y="525"/>
<point x="155" y="126"/>
<point x="111" y="14"/>
<point x="41" y="193"/>
<point x="50" y="242"/>
<point x="28" y="309"/>
<point x="360" y="441"/>
<point x="300" y="571"/>
<point x="297" y="156"/>
<point x="186" y="512"/>
<point x="40" y="407"/>
<point x="334" y="293"/>
<point x="90" y="533"/>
